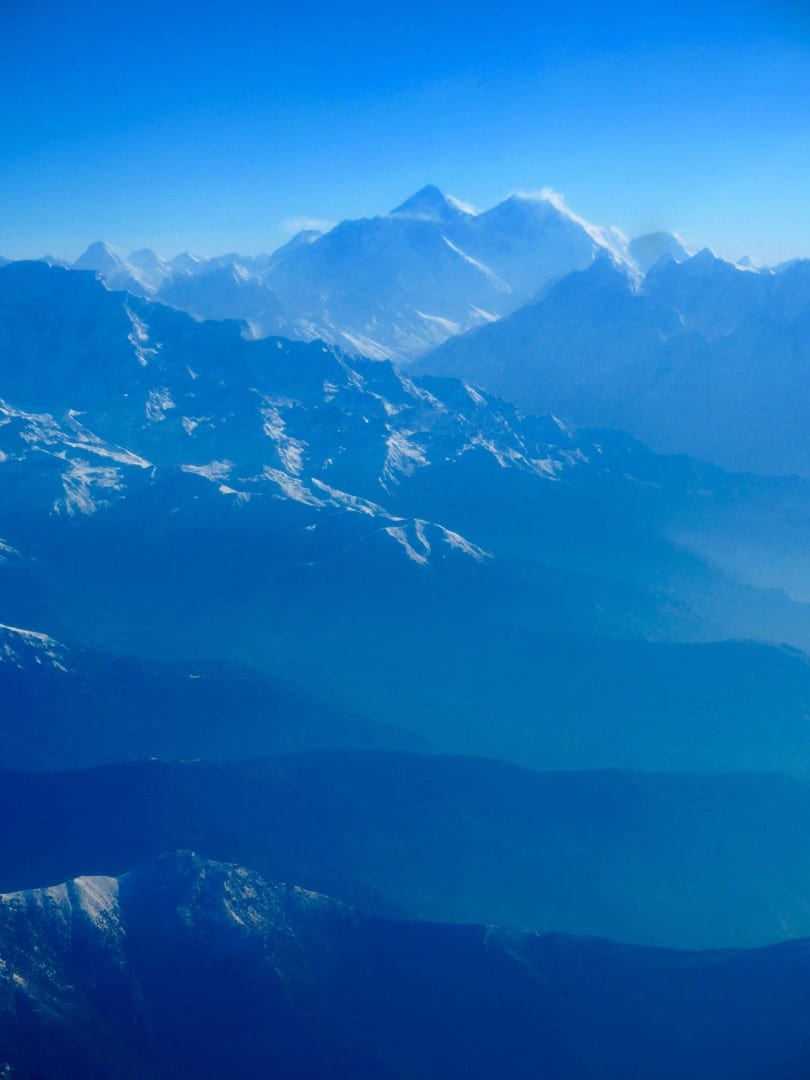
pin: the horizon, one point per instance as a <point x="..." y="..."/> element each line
<point x="555" y="198"/>
<point x="207" y="130"/>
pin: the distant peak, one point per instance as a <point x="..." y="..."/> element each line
<point x="706" y="262"/>
<point x="52" y="260"/>
<point x="545" y="205"/>
<point x="301" y="239"/>
<point x="546" y="199"/>
<point x="185" y="261"/>
<point x="651" y="248"/>
<point x="144" y="256"/>
<point x="705" y="257"/>
<point x="704" y="265"/>
<point x="100" y="257"/>
<point x="431" y="204"/>
<point x="99" y="247"/>
<point x="605" y="270"/>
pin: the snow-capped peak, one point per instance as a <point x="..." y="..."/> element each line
<point x="146" y="259"/>
<point x="185" y="261"/>
<point x="101" y="258"/>
<point x="431" y="204"/>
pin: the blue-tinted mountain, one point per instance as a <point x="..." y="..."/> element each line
<point x="227" y="291"/>
<point x="663" y="859"/>
<point x="174" y="491"/>
<point x="651" y="248"/>
<point x="702" y="357"/>
<point x="198" y="969"/>
<point x="390" y="286"/>
<point x="118" y="273"/>
<point x="552" y="701"/>
<point x="66" y="708"/>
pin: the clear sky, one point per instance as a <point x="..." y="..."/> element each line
<point x="223" y="126"/>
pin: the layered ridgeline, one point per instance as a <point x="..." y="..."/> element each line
<point x="699" y="357"/>
<point x="410" y="551"/>
<point x="654" y="859"/>
<point x="393" y="285"/>
<point x="552" y="701"/>
<point x="71" y="707"/>
<point x="192" y="968"/>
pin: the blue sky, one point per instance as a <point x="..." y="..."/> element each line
<point x="221" y="126"/>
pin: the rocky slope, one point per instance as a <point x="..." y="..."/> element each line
<point x="174" y="491"/>
<point x="201" y="969"/>
<point x="701" y="357"/>
<point x="391" y="286"/>
<point x="676" y="860"/>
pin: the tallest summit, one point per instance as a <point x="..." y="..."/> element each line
<point x="430" y="204"/>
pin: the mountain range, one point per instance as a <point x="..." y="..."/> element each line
<point x="645" y="858"/>
<point x="377" y="613"/>
<point x="174" y="492"/>
<point x="194" y="968"/>
<point x="72" y="707"/>
<point x="390" y="286"/>
<point x="690" y="353"/>
<point x="699" y="357"/>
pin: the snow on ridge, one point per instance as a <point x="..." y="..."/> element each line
<point x="7" y="551"/>
<point x="487" y="271"/>
<point x="140" y="332"/>
<point x="349" y="501"/>
<point x="191" y="423"/>
<point x="95" y="897"/>
<point x="464" y="207"/>
<point x="78" y="484"/>
<point x="114" y="453"/>
<point x="485" y="316"/>
<point x="546" y="467"/>
<point x="366" y="346"/>
<point x="447" y="325"/>
<point x="402" y="457"/>
<point x="460" y="543"/>
<point x="138" y="338"/>
<point x="417" y="545"/>
<point x="505" y="456"/>
<point x="216" y="471"/>
<point x="564" y="426"/>
<point x="241" y="496"/>
<point x="40" y="428"/>
<point x="473" y="395"/>
<point x="353" y="376"/>
<point x="158" y="404"/>
<point x="41" y="431"/>
<point x="388" y="407"/>
<point x="420" y="393"/>
<point x="510" y="457"/>
<point x="31" y="635"/>
<point x="18" y="645"/>
<point x="86" y="440"/>
<point x="292" y="487"/>
<point x="400" y="534"/>
<point x="290" y="450"/>
<point x="609" y="237"/>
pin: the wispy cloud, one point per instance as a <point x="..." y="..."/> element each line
<point x="547" y="194"/>
<point x="291" y="226"/>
